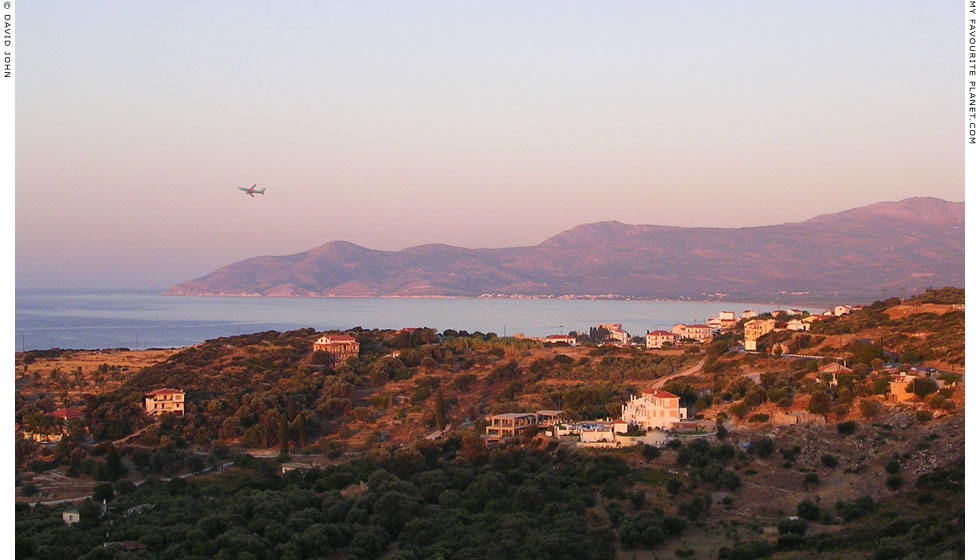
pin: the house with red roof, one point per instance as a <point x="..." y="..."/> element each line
<point x="656" y="339"/>
<point x="340" y="346"/>
<point x="654" y="409"/>
<point x="560" y="338"/>
<point x="164" y="400"/>
<point x="67" y="414"/>
<point x="701" y="333"/>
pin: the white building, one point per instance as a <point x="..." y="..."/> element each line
<point x="559" y="338"/>
<point x="656" y="339"/>
<point x="727" y="315"/>
<point x="797" y="325"/>
<point x="165" y="400"/>
<point x="842" y="310"/>
<point x="654" y="408"/>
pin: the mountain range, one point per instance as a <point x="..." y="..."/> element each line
<point x="865" y="252"/>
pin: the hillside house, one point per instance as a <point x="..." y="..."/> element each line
<point x="700" y="333"/>
<point x="833" y="369"/>
<point x="71" y="516"/>
<point x="749" y="313"/>
<point x="339" y="346"/>
<point x="756" y="329"/>
<point x="559" y="339"/>
<point x="900" y="388"/>
<point x="797" y="325"/>
<point x="657" y="339"/>
<point x="653" y="409"/>
<point x="511" y="424"/>
<point x="842" y="310"/>
<point x="164" y="400"/>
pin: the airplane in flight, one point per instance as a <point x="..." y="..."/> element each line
<point x="252" y="191"/>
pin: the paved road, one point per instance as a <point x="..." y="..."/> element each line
<point x="696" y="368"/>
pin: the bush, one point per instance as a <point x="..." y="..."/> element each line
<point x="649" y="452"/>
<point x="857" y="508"/>
<point x="28" y="489"/>
<point x="846" y="428"/>
<point x="759" y="418"/>
<point x="893" y="466"/>
<point x="829" y="461"/>
<point x="870" y="408"/>
<point x="894" y="481"/>
<point x="808" y="510"/>
<point x="762" y="447"/>
<point x="811" y="479"/>
<point x="792" y="526"/>
<point x="923" y="416"/>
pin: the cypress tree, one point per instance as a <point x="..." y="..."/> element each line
<point x="283" y="436"/>
<point x="440" y="415"/>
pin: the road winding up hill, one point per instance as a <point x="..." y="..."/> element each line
<point x="910" y="244"/>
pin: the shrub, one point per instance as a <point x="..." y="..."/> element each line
<point x="759" y="418"/>
<point x="856" y="509"/>
<point x="649" y="452"/>
<point x="792" y="526"/>
<point x="894" y="481"/>
<point x="829" y="461"/>
<point x="808" y="510"/>
<point x="811" y="479"/>
<point x="762" y="447"/>
<point x="923" y="416"/>
<point x="870" y="408"/>
<point x="893" y="466"/>
<point x="846" y="428"/>
<point x="28" y="489"/>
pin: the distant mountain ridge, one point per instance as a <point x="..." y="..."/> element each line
<point x="863" y="252"/>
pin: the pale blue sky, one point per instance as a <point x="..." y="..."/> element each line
<point x="391" y="124"/>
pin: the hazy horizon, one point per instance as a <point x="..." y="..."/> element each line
<point x="391" y="125"/>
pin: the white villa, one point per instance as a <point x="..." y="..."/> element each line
<point x="654" y="408"/>
<point x="656" y="339"/>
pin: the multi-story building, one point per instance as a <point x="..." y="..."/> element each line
<point x="653" y="409"/>
<point x="165" y="400"/>
<point x="899" y="388"/>
<point x="656" y="339"/>
<point x="755" y="329"/>
<point x="340" y="346"/>
<point x="701" y="333"/>
<point x="511" y="424"/>
<point x="620" y="336"/>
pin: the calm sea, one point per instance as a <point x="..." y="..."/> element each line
<point x="143" y="319"/>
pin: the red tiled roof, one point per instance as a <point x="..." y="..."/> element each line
<point x="164" y="392"/>
<point x="660" y="394"/>
<point x="557" y="336"/>
<point x="698" y="327"/>
<point x="338" y="338"/>
<point x="68" y="413"/>
<point x="661" y="333"/>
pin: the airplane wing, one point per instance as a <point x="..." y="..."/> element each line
<point x="252" y="189"/>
